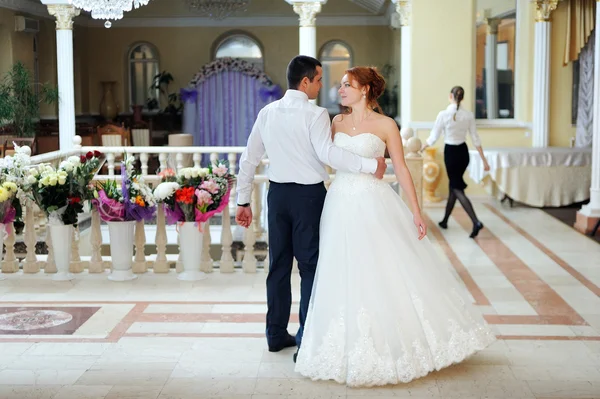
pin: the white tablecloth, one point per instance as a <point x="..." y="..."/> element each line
<point x="504" y="158"/>
<point x="552" y="176"/>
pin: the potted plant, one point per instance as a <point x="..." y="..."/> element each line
<point x="121" y="206"/>
<point x="20" y="100"/>
<point x="174" y="106"/>
<point x="191" y="198"/>
<point x="61" y="193"/>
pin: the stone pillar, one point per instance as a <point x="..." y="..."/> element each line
<point x="491" y="72"/>
<point x="307" y="11"/>
<point x="404" y="10"/>
<point x="541" y="72"/>
<point x="589" y="214"/>
<point x="64" y="14"/>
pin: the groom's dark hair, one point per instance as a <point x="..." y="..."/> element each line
<point x="299" y="67"/>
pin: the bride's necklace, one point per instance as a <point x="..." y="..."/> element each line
<point x="352" y="117"/>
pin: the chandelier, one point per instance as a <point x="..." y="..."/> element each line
<point x="217" y="9"/>
<point x="108" y="9"/>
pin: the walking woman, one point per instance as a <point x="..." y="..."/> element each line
<point x="455" y="122"/>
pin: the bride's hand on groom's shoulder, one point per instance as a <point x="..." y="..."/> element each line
<point x="243" y="216"/>
<point x="420" y="225"/>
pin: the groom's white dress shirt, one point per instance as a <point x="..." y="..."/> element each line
<point x="296" y="136"/>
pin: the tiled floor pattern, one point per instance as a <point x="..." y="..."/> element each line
<point x="535" y="280"/>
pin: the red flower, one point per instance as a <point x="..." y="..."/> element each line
<point x="185" y="195"/>
<point x="74" y="200"/>
<point x="97" y="154"/>
<point x="82" y="159"/>
<point x="89" y="155"/>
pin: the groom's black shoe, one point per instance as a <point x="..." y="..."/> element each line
<point x="295" y="356"/>
<point x="288" y="342"/>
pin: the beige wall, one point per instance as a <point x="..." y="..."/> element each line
<point x="561" y="82"/>
<point x="18" y="46"/>
<point x="443" y="54"/>
<point x="184" y="50"/>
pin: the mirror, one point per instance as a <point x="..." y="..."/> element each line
<point x="495" y="54"/>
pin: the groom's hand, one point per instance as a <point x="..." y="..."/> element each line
<point x="243" y="216"/>
<point x="381" y="168"/>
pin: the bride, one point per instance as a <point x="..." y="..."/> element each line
<point x="384" y="308"/>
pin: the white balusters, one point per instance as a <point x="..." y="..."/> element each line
<point x="249" y="261"/>
<point x="197" y="157"/>
<point x="10" y="264"/>
<point x="110" y="161"/>
<point x="50" y="266"/>
<point x="232" y="158"/>
<point x="226" y="265"/>
<point x="257" y="210"/>
<point x="214" y="157"/>
<point x="144" y="162"/>
<point x="206" y="264"/>
<point x="179" y="160"/>
<point x="162" y="159"/>
<point x="76" y="265"/>
<point x="30" y="265"/>
<point x="139" y="263"/>
<point x="161" y="265"/>
<point x="96" y="263"/>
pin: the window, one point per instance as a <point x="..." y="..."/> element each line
<point x="240" y="46"/>
<point x="336" y="57"/>
<point x="143" y="67"/>
<point x="495" y="68"/>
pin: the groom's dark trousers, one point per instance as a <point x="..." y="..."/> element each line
<point x="294" y="213"/>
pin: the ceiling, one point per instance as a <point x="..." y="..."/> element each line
<point x="264" y="8"/>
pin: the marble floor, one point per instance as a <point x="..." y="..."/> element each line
<point x="536" y="281"/>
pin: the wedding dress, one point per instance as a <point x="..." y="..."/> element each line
<point x="385" y="308"/>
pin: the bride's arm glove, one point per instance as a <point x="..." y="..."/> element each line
<point x="394" y="145"/>
<point x="336" y="157"/>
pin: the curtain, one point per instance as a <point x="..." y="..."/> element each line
<point x="585" y="96"/>
<point x="581" y="16"/>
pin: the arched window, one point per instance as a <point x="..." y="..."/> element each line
<point x="336" y="57"/>
<point x="242" y="46"/>
<point x="143" y="67"/>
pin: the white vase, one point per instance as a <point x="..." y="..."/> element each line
<point x="61" y="244"/>
<point x="121" y="250"/>
<point x="2" y="232"/>
<point x="190" y="246"/>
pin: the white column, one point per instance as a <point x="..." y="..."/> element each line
<point x="404" y="11"/>
<point x="541" y="73"/>
<point x="64" y="14"/>
<point x="491" y="72"/>
<point x="307" y="11"/>
<point x="592" y="210"/>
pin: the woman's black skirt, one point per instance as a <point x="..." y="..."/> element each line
<point x="456" y="158"/>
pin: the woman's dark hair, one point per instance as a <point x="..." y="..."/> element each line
<point x="458" y="93"/>
<point x="300" y="67"/>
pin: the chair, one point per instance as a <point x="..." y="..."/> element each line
<point x="141" y="137"/>
<point x="114" y="136"/>
<point x="9" y="145"/>
<point x="180" y="140"/>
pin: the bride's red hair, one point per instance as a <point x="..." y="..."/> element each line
<point x="368" y="77"/>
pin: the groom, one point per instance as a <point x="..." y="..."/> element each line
<point x="295" y="134"/>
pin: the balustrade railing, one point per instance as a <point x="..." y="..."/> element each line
<point x="27" y="251"/>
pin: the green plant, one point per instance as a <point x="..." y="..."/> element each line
<point x="20" y="101"/>
<point x="161" y="83"/>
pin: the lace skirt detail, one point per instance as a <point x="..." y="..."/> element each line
<point x="385" y="308"/>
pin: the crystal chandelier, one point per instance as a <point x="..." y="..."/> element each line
<point x="108" y="9"/>
<point x="217" y="9"/>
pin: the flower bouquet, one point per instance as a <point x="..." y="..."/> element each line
<point x="60" y="193"/>
<point x="121" y="206"/>
<point x="190" y="198"/>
